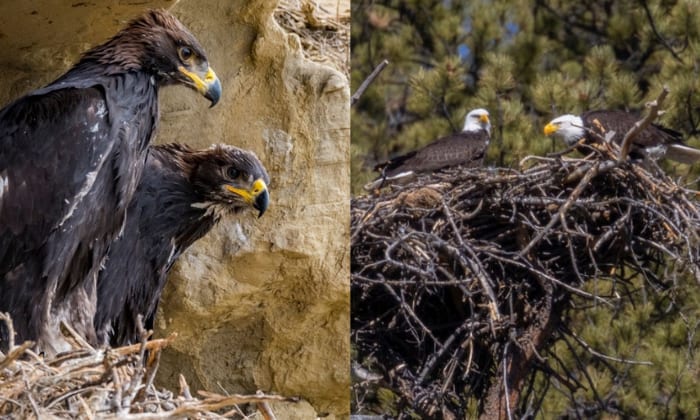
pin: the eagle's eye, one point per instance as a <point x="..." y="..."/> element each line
<point x="185" y="53"/>
<point x="233" y="172"/>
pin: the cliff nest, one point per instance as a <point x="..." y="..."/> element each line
<point x="107" y="383"/>
<point x="323" y="29"/>
<point x="463" y="279"/>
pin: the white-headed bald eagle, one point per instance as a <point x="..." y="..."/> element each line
<point x="654" y="142"/>
<point x="183" y="193"/>
<point x="466" y="148"/>
<point x="71" y="155"/>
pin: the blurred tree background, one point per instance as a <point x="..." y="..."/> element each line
<point x="527" y="61"/>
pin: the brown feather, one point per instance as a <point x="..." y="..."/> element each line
<point x="466" y="148"/>
<point x="142" y="44"/>
<point x="603" y="122"/>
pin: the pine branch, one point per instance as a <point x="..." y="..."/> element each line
<point x="661" y="39"/>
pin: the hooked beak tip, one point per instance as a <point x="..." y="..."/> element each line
<point x="261" y="203"/>
<point x="213" y="92"/>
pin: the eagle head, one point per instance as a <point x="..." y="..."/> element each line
<point x="232" y="179"/>
<point x="567" y="127"/>
<point x="158" y="44"/>
<point x="477" y="119"/>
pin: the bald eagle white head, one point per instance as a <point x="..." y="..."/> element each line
<point x="477" y="120"/>
<point x="567" y="127"/>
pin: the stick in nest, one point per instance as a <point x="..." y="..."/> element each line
<point x="5" y="317"/>
<point x="644" y="123"/>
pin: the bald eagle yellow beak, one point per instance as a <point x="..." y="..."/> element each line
<point x="484" y="119"/>
<point x="207" y="84"/>
<point x="550" y="128"/>
<point x="257" y="196"/>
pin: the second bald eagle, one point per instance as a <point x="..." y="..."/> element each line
<point x="654" y="142"/>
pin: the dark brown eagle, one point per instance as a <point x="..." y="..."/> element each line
<point x="466" y="148"/>
<point x="183" y="193"/>
<point x="71" y="155"/>
<point x="653" y="142"/>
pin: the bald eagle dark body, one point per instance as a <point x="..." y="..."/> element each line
<point x="71" y="155"/>
<point x="183" y="193"/>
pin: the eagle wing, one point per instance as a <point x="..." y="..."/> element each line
<point x="465" y="148"/>
<point x="131" y="271"/>
<point x="138" y="260"/>
<point x="621" y="122"/>
<point x="71" y="155"/>
<point x="51" y="148"/>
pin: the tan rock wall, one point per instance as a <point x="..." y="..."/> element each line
<point x="259" y="303"/>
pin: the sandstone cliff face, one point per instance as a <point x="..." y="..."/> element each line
<point x="258" y="303"/>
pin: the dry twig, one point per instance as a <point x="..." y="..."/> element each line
<point x="368" y="81"/>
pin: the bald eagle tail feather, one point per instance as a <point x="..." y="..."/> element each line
<point x="401" y="178"/>
<point x="682" y="153"/>
<point x="676" y="135"/>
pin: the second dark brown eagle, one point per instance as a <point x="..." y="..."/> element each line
<point x="183" y="193"/>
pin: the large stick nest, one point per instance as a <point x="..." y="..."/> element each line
<point x="462" y="278"/>
<point x="108" y="383"/>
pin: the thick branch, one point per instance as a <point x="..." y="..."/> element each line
<point x="504" y="394"/>
<point x="363" y="87"/>
<point x="641" y="125"/>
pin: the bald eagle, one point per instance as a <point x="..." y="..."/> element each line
<point x="466" y="148"/>
<point x="653" y="142"/>
<point x="183" y="193"/>
<point x="71" y="155"/>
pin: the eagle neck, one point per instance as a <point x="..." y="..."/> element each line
<point x="473" y="127"/>
<point x="181" y="221"/>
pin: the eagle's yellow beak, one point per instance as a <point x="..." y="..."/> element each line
<point x="550" y="128"/>
<point x="207" y="84"/>
<point x="484" y="119"/>
<point x="257" y="196"/>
